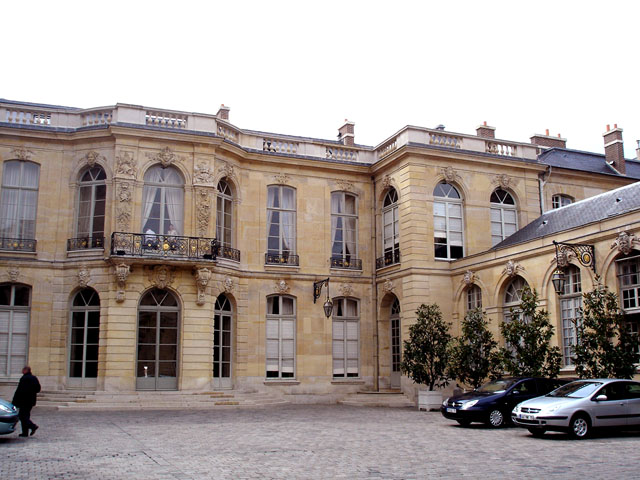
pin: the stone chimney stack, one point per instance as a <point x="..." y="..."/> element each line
<point x="638" y="150"/>
<point x="613" y="149"/>
<point x="223" y="113"/>
<point x="485" y="131"/>
<point x="346" y="133"/>
<point x="547" y="141"/>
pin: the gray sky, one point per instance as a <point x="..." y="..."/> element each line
<point x="301" y="68"/>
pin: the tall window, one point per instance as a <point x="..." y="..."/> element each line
<point x="513" y="296"/>
<point x="559" y="200"/>
<point x="281" y="337"/>
<point x="222" y="338"/>
<point x="395" y="338"/>
<point x="19" y="199"/>
<point x="163" y="201"/>
<point x="346" y="327"/>
<point x="447" y="222"/>
<point x="629" y="278"/>
<point x="15" y="301"/>
<point x="344" y="229"/>
<point x="224" y="214"/>
<point x="85" y="333"/>
<point x="474" y="297"/>
<point x="281" y="223"/>
<point x="391" y="232"/>
<point x="504" y="220"/>
<point x="570" y="304"/>
<point x="92" y="194"/>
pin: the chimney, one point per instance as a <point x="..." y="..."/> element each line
<point x="346" y="133"/>
<point x="223" y="112"/>
<point x="638" y="150"/>
<point x="548" y="141"/>
<point x="485" y="131"/>
<point x="613" y="149"/>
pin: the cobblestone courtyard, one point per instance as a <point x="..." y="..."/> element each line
<point x="300" y="442"/>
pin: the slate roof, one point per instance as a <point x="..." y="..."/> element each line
<point x="586" y="161"/>
<point x="594" y="209"/>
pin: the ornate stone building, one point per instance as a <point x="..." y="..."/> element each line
<point x="146" y="249"/>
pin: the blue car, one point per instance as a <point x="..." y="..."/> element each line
<point x="8" y="417"/>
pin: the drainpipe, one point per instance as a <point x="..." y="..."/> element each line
<point x="374" y="291"/>
<point x="541" y="183"/>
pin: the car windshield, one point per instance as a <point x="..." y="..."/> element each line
<point x="496" y="386"/>
<point x="576" y="390"/>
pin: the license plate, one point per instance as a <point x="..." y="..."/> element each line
<point x="525" y="417"/>
<point x="451" y="410"/>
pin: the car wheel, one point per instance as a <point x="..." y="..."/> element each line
<point x="464" y="423"/>
<point x="536" y="432"/>
<point x="579" y="427"/>
<point x="496" y="418"/>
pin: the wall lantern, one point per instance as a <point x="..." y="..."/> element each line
<point x="558" y="280"/>
<point x="584" y="253"/>
<point x="317" y="290"/>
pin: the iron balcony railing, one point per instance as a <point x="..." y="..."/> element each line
<point x="281" y="259"/>
<point x="18" y="244"/>
<point x="82" y="243"/>
<point x="228" y="252"/>
<point x="166" y="246"/>
<point x="390" y="258"/>
<point x="350" y="263"/>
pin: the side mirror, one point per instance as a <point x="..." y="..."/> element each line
<point x="515" y="392"/>
<point x="601" y="398"/>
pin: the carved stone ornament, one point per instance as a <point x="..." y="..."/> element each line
<point x="512" y="268"/>
<point x="225" y="170"/>
<point x="122" y="273"/>
<point x="563" y="257"/>
<point x="203" y="275"/>
<point x="345" y="185"/>
<point x="282" y="179"/>
<point x="14" y="272"/>
<point x="203" y="174"/>
<point x="345" y="289"/>
<point x="22" y="153"/>
<point x="386" y="182"/>
<point x="282" y="287"/>
<point x="161" y="276"/>
<point x="449" y="174"/>
<point x="469" y="277"/>
<point x="84" y="276"/>
<point x="203" y="211"/>
<point x="124" y="192"/>
<point x="504" y="181"/>
<point x="92" y="157"/>
<point x="227" y="285"/>
<point x="166" y="157"/>
<point x="388" y="286"/>
<point x="123" y="219"/>
<point x="625" y="242"/>
<point x="126" y="165"/>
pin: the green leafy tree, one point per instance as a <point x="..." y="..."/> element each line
<point x="473" y="356"/>
<point x="527" y="350"/>
<point x="605" y="348"/>
<point x="424" y="358"/>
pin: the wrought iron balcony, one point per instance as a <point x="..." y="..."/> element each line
<point x="18" y="244"/>
<point x="230" y="253"/>
<point x="390" y="258"/>
<point x="164" y="246"/>
<point x="83" y="243"/>
<point x="281" y="259"/>
<point x="350" y="263"/>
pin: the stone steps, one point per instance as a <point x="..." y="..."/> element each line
<point x="384" y="398"/>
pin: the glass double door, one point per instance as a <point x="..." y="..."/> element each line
<point x="222" y="325"/>
<point x="157" y="361"/>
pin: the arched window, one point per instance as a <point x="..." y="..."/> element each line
<point x="92" y="193"/>
<point x="281" y="337"/>
<point x="390" y="228"/>
<point x="628" y="269"/>
<point x="85" y="334"/>
<point x="222" y="324"/>
<point x="474" y="297"/>
<point x="18" y="204"/>
<point x="163" y="201"/>
<point x="281" y="225"/>
<point x="570" y="304"/>
<point x="513" y="296"/>
<point x="346" y="335"/>
<point x="15" y="306"/>
<point x="447" y="222"/>
<point x="394" y="319"/>
<point x="560" y="200"/>
<point x="504" y="219"/>
<point x="224" y="214"/>
<point x="344" y="230"/>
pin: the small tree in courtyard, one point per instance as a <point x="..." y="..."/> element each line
<point x="527" y="350"/>
<point x="424" y="358"/>
<point x="473" y="355"/>
<point x="605" y="348"/>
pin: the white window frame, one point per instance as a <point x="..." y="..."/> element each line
<point x="391" y="240"/>
<point x="500" y="209"/>
<point x="561" y="200"/>
<point x="21" y="222"/>
<point x="292" y="249"/>
<point x="224" y="214"/>
<point x="85" y="310"/>
<point x="92" y="185"/>
<point x="474" y="297"/>
<point x="570" y="305"/>
<point x="273" y="334"/>
<point x="513" y="297"/>
<point x="628" y="271"/>
<point x="9" y="331"/>
<point x="163" y="188"/>
<point x="344" y="325"/>
<point x="448" y="202"/>
<point x="345" y="217"/>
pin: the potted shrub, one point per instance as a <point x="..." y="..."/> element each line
<point x="424" y="358"/>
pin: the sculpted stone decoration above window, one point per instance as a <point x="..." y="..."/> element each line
<point x="469" y="277"/>
<point x="162" y="276"/>
<point x="504" y="181"/>
<point x="345" y="289"/>
<point x="84" y="276"/>
<point x="166" y="157"/>
<point x="126" y="165"/>
<point x="388" y="286"/>
<point x="92" y="157"/>
<point x="122" y="273"/>
<point x="203" y="174"/>
<point x="13" y="272"/>
<point x="227" y="285"/>
<point x="450" y="175"/>
<point x="626" y="242"/>
<point x="282" y="287"/>
<point x="282" y="179"/>
<point x="22" y="153"/>
<point x="387" y="182"/>
<point x="345" y="185"/>
<point x="203" y="275"/>
<point x="512" y="268"/>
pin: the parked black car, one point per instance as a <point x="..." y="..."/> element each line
<point x="493" y="402"/>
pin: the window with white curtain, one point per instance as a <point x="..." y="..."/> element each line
<point x="92" y="192"/>
<point x="346" y="337"/>
<point x="280" y="337"/>
<point x="344" y="226"/>
<point x="224" y="214"/>
<point x="281" y="220"/>
<point x="570" y="304"/>
<point x="390" y="229"/>
<point x="15" y="301"/>
<point x="163" y="201"/>
<point x="447" y="222"/>
<point x="504" y="219"/>
<point x="19" y="199"/>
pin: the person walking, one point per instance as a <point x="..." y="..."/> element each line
<point x="25" y="400"/>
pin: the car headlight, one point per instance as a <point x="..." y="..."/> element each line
<point x="517" y="409"/>
<point x="469" y="404"/>
<point x="6" y="409"/>
<point x="444" y="403"/>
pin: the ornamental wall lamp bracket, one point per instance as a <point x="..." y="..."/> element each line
<point x="584" y="253"/>
<point x="317" y="290"/>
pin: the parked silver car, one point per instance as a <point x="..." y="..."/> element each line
<point x="579" y="406"/>
<point x="8" y="417"/>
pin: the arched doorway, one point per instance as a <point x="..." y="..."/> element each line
<point x="84" y="339"/>
<point x="157" y="358"/>
<point x="222" y="325"/>
<point x="394" y="320"/>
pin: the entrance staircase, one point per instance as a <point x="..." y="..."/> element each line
<point x="383" y="398"/>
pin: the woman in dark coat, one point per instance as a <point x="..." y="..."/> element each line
<point x="25" y="400"/>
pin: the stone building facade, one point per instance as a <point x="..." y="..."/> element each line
<point x="146" y="249"/>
